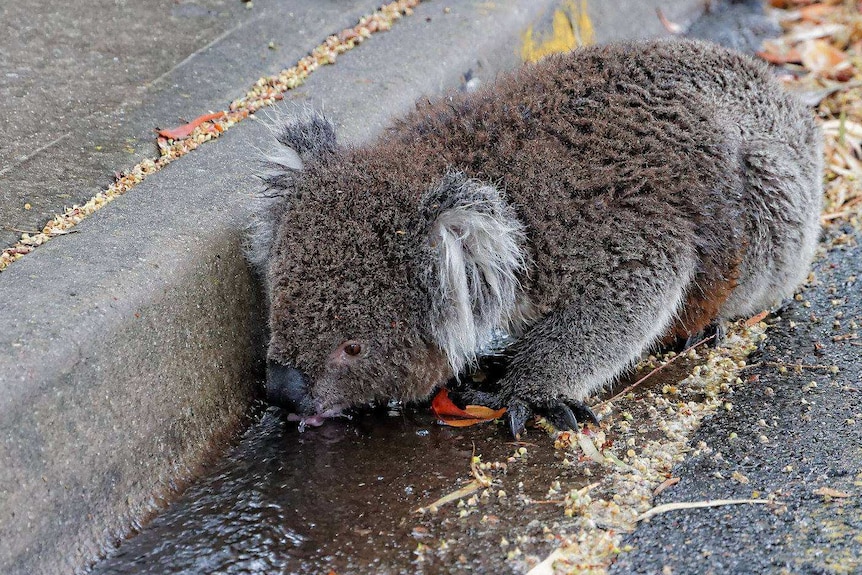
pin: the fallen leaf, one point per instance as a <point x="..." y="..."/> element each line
<point x="185" y="130"/>
<point x="816" y="12"/>
<point x="454" y="416"/>
<point x="590" y="450"/>
<point x="829" y="492"/>
<point x="669" y="482"/>
<point x="786" y="4"/>
<point x="779" y="53"/>
<point x="823" y="59"/>
<point x="813" y="97"/>
<point x="695" y="505"/>
<point x="756" y="319"/>
<point x="805" y="33"/>
<point x="671" y="27"/>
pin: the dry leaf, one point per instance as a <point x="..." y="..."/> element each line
<point x="823" y="59"/>
<point x="805" y="33"/>
<point x="185" y="130"/>
<point x="816" y="12"/>
<point x="756" y="319"/>
<point x="779" y="53"/>
<point x="671" y="27"/>
<point x="829" y="492"/>
<point x="454" y="416"/>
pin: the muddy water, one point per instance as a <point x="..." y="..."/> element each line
<point x="342" y="498"/>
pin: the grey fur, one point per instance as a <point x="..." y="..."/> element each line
<point x="304" y="138"/>
<point x="588" y="207"/>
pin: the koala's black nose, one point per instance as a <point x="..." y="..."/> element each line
<point x="288" y="387"/>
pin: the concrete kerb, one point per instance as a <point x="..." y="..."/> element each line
<point x="127" y="348"/>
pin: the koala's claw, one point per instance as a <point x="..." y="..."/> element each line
<point x="716" y="331"/>
<point x="563" y="414"/>
<point x="517" y="414"/>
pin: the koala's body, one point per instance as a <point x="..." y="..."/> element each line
<point x="588" y="206"/>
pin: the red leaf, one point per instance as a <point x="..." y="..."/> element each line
<point x="185" y="130"/>
<point x="452" y="415"/>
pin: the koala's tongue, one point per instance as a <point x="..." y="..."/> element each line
<point x="317" y="419"/>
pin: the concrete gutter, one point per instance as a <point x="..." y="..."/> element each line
<point x="130" y="350"/>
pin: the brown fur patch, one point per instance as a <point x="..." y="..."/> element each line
<point x="705" y="299"/>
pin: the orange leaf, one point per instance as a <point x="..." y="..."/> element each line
<point x="484" y="413"/>
<point x="816" y="12"/>
<point x="756" y="319"/>
<point x="443" y="406"/>
<point x="452" y="415"/>
<point x="185" y="130"/>
<point x="787" y="57"/>
<point x="822" y="58"/>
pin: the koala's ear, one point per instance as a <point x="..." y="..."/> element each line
<point x="476" y="244"/>
<point x="301" y="140"/>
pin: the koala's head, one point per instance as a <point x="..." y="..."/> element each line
<point x="376" y="290"/>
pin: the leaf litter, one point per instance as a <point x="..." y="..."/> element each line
<point x="820" y="55"/>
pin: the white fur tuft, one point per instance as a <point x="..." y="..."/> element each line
<point x="479" y="257"/>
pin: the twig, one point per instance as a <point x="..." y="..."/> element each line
<point x="751" y="365"/>
<point x="479" y="481"/>
<point x="471" y="487"/>
<point x="798" y="365"/>
<point x="650" y="374"/>
<point x="659" y="509"/>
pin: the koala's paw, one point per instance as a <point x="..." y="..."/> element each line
<point x="464" y="396"/>
<point x="562" y="413"/>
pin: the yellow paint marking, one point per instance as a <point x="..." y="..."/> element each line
<point x="571" y="28"/>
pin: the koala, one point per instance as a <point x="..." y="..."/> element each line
<point x="582" y="209"/>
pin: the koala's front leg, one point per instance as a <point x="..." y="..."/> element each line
<point x="625" y="276"/>
<point x="572" y="352"/>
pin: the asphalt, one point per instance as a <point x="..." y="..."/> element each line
<point x="794" y="434"/>
<point x="130" y="350"/>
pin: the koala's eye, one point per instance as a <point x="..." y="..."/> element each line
<point x="353" y="348"/>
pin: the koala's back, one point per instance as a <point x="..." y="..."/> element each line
<point x="614" y="155"/>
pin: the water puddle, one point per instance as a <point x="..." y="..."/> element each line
<point x="342" y="499"/>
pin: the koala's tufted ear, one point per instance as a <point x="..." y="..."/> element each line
<point x="302" y="140"/>
<point x="477" y="255"/>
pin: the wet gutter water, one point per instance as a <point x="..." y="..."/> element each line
<point x="342" y="498"/>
